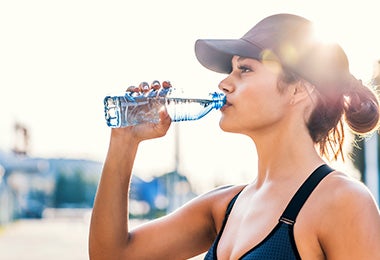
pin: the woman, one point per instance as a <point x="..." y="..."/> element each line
<point x="290" y="94"/>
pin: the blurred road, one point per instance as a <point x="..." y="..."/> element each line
<point x="62" y="235"/>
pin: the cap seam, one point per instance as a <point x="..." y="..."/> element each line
<point x="253" y="43"/>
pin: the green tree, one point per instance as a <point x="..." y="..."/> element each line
<point x="70" y="189"/>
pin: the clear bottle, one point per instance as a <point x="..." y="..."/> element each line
<point x="142" y="105"/>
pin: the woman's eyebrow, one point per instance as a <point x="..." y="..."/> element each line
<point x="241" y="59"/>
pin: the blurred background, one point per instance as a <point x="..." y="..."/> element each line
<point x="59" y="59"/>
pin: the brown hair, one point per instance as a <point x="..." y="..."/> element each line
<point x="352" y="103"/>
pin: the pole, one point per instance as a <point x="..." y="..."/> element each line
<point x="371" y="171"/>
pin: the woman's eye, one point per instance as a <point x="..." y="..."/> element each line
<point x="244" y="69"/>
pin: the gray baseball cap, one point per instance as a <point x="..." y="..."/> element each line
<point x="287" y="38"/>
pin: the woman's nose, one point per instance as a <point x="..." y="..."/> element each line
<point x="226" y="85"/>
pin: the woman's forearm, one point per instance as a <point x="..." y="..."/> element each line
<point x="109" y="223"/>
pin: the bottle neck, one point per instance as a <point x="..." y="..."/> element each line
<point x="219" y="99"/>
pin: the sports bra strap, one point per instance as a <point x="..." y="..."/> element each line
<point x="231" y="204"/>
<point x="291" y="212"/>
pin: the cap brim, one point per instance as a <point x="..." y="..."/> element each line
<point x="216" y="55"/>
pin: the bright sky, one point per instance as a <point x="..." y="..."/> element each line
<point x="58" y="59"/>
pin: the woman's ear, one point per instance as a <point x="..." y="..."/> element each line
<point x="302" y="90"/>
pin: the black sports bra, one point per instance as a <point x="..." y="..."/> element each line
<point x="279" y="243"/>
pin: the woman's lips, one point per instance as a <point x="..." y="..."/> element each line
<point x="226" y="105"/>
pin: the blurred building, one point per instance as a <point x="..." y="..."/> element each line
<point x="160" y="195"/>
<point x="29" y="185"/>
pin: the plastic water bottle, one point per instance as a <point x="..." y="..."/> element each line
<point x="142" y="104"/>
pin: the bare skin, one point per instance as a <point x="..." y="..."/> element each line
<point x="340" y="220"/>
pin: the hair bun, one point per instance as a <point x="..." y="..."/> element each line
<point x="361" y="108"/>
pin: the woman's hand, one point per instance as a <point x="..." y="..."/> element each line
<point x="145" y="131"/>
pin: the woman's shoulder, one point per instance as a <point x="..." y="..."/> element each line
<point x="217" y="201"/>
<point x="346" y="201"/>
<point x="225" y="190"/>
<point x="343" y="188"/>
<point x="347" y="214"/>
<point x="219" y="198"/>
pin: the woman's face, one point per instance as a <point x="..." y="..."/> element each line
<point x="254" y="102"/>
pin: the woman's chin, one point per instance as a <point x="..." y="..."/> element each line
<point x="223" y="124"/>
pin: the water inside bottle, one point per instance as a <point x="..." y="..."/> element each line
<point x="184" y="109"/>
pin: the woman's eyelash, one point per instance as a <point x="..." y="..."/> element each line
<point x="244" y="68"/>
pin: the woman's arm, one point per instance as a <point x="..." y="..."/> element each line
<point x="186" y="232"/>
<point x="109" y="223"/>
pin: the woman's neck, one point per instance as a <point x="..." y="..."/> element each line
<point x="289" y="154"/>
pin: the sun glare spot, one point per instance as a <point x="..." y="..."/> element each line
<point x="290" y="54"/>
<point x="323" y="32"/>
